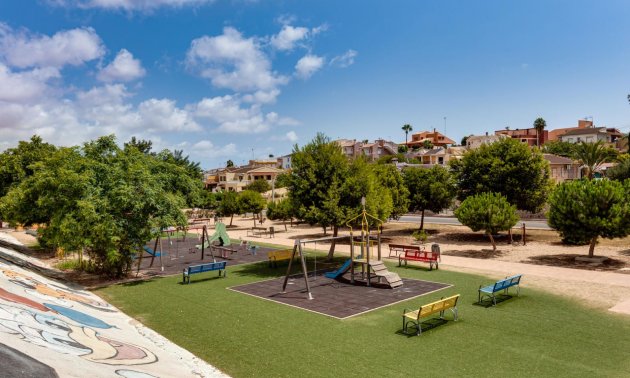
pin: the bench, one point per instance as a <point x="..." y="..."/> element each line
<point x="412" y="317"/>
<point x="257" y="231"/>
<point x="501" y="285"/>
<point x="431" y="257"/>
<point x="275" y="256"/>
<point x="223" y="251"/>
<point x="194" y="269"/>
<point x="398" y="249"/>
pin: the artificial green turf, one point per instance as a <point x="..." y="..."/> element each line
<point x="536" y="334"/>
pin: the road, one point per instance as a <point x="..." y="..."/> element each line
<point x="533" y="224"/>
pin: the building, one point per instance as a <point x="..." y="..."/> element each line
<point x="556" y="133"/>
<point x="476" y="141"/>
<point x="606" y="135"/>
<point x="562" y="168"/>
<point x="529" y="136"/>
<point x="235" y="179"/>
<point x="371" y="150"/>
<point x="284" y="162"/>
<point x="437" y="156"/>
<point x="436" y="138"/>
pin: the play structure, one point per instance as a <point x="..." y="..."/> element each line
<point x="220" y="234"/>
<point x="365" y="242"/>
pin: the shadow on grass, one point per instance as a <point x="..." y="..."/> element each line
<point x="200" y="280"/>
<point x="263" y="270"/>
<point x="487" y="302"/>
<point x="425" y="325"/>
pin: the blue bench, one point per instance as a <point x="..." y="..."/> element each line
<point x="194" y="269"/>
<point x="502" y="285"/>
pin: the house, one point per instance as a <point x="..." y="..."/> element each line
<point x="437" y="156"/>
<point x="476" y="141"/>
<point x="588" y="135"/>
<point x="556" y="133"/>
<point x="529" y="136"/>
<point x="436" y="138"/>
<point x="284" y="162"/>
<point x="235" y="179"/>
<point x="563" y="168"/>
<point x="373" y="151"/>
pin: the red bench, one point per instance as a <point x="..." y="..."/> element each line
<point x="432" y="257"/>
<point x="399" y="249"/>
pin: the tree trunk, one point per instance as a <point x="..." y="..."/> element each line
<point x="422" y="220"/>
<point x="231" y="219"/>
<point x="591" y="249"/>
<point x="285" y="225"/>
<point x="331" y="251"/>
<point x="510" y="240"/>
<point x="494" y="245"/>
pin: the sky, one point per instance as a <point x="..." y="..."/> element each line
<point x="243" y="79"/>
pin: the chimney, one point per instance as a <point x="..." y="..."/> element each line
<point x="583" y="123"/>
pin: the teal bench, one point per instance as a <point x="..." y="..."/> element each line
<point x="502" y="285"/>
<point x="194" y="269"/>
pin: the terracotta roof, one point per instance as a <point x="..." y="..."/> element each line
<point x="555" y="159"/>
<point x="590" y="130"/>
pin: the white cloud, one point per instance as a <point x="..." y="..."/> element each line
<point x="234" y="62"/>
<point x="124" y="68"/>
<point x="128" y="5"/>
<point x="288" y="37"/>
<point x="68" y="47"/>
<point x="344" y="60"/>
<point x="291" y="136"/>
<point x="163" y="115"/>
<point x="206" y="148"/>
<point x="308" y="65"/>
<point x="25" y="86"/>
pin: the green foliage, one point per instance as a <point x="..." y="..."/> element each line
<point x="490" y="212"/>
<point x="17" y="163"/>
<point x="539" y="125"/>
<point x="283" y="180"/>
<point x="559" y="148"/>
<point x="420" y="235"/>
<point x="250" y="201"/>
<point x="407" y="129"/>
<point x="582" y="211"/>
<point x="141" y="145"/>
<point x="260" y="186"/>
<point x="229" y="164"/>
<point x="99" y="199"/>
<point x="390" y="178"/>
<point x="431" y="189"/>
<point x="619" y="172"/>
<point x="465" y="139"/>
<point x="508" y="167"/>
<point x="281" y="210"/>
<point x="402" y="149"/>
<point x="427" y="144"/>
<point x="229" y="205"/>
<point x="593" y="156"/>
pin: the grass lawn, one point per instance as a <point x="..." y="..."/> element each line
<point x="536" y="334"/>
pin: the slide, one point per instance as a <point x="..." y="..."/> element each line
<point x="220" y="233"/>
<point x="339" y="272"/>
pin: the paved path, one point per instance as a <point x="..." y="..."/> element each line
<point x="75" y="333"/>
<point x="532" y="224"/>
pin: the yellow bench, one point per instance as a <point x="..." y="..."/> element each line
<point x="275" y="256"/>
<point x="413" y="316"/>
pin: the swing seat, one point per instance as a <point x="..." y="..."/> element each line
<point x="152" y="252"/>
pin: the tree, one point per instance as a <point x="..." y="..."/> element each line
<point x="16" y="164"/>
<point x="283" y="180"/>
<point x="141" y="145"/>
<point x="229" y="164"/>
<point x="402" y="149"/>
<point x="229" y="205"/>
<point x="508" y="167"/>
<point x="390" y="178"/>
<point x="560" y="148"/>
<point x="582" y="211"/>
<point x="259" y="185"/>
<point x="490" y="212"/>
<point x="431" y="189"/>
<point x="427" y="144"/>
<point x="281" y="210"/>
<point x="592" y="156"/>
<point x="250" y="201"/>
<point x="99" y="199"/>
<point x="407" y="129"/>
<point x="465" y="140"/>
<point x="619" y="172"/>
<point x="539" y="125"/>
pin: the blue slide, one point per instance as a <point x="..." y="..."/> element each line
<point x="339" y="272"/>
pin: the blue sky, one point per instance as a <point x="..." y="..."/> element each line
<point x="234" y="79"/>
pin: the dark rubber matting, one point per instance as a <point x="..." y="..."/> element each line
<point x="179" y="254"/>
<point x="338" y="299"/>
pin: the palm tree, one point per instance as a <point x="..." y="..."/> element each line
<point x="406" y="128"/>
<point x="592" y="156"/>
<point x="539" y="125"/>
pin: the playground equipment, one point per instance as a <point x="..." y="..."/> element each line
<point x="153" y="253"/>
<point x="220" y="234"/>
<point x="366" y="242"/>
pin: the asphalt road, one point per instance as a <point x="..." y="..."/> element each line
<point x="533" y="224"/>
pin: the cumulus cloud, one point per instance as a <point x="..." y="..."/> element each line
<point x="25" y="86"/>
<point x="344" y="60"/>
<point x="291" y="136"/>
<point x="128" y="5"/>
<point x="288" y="37"/>
<point x="308" y="65"/>
<point x="206" y="148"/>
<point x="124" y="68"/>
<point x="69" y="47"/>
<point x="234" y="62"/>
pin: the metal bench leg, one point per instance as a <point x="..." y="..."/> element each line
<point x="455" y="314"/>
